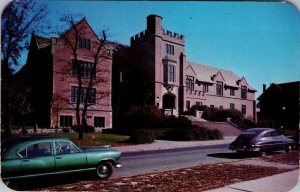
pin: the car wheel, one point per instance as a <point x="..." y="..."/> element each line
<point x="263" y="153"/>
<point x="104" y="170"/>
<point x="288" y="148"/>
<point x="13" y="185"/>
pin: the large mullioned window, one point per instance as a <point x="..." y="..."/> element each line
<point x="87" y="69"/>
<point x="91" y="96"/>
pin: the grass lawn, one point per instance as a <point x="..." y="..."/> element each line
<point x="95" y="139"/>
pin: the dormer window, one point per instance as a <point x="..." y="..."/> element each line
<point x="170" y="49"/>
<point x="189" y="82"/>
<point x="219" y="89"/>
<point x="244" y="92"/>
<point x="84" y="43"/>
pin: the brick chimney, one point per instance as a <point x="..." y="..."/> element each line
<point x="264" y="88"/>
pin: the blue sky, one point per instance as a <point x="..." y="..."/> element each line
<point x="258" y="40"/>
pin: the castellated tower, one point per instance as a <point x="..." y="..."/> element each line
<point x="160" y="55"/>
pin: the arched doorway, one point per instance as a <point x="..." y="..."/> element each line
<point x="169" y="101"/>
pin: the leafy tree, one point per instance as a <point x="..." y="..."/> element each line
<point x="19" y="20"/>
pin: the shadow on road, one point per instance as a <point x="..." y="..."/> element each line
<point x="234" y="155"/>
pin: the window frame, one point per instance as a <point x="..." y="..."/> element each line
<point x="219" y="88"/>
<point x="244" y="92"/>
<point x="190" y="84"/>
<point x="83" y="95"/>
<point x="65" y="116"/>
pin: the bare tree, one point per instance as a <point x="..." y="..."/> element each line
<point x="19" y="20"/>
<point x="88" y="76"/>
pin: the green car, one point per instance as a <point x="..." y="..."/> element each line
<point x="34" y="156"/>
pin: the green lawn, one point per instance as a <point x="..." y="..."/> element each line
<point x="95" y="139"/>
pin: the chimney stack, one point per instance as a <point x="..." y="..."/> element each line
<point x="264" y="88"/>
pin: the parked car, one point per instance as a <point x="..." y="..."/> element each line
<point x="261" y="140"/>
<point x="34" y="156"/>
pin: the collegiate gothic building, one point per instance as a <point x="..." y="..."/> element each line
<point x="152" y="70"/>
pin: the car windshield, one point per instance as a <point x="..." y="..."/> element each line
<point x="248" y="134"/>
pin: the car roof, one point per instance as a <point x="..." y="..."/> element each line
<point x="12" y="141"/>
<point x="260" y="129"/>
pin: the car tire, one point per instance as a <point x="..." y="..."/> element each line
<point x="104" y="170"/>
<point x="263" y="153"/>
<point x="288" y="148"/>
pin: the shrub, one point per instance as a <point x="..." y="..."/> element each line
<point x="193" y="133"/>
<point x="87" y="129"/>
<point x="142" y="136"/>
<point x="146" y="116"/>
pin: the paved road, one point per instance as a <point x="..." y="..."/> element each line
<point x="135" y="163"/>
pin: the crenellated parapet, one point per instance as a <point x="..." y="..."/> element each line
<point x="166" y="35"/>
<point x="138" y="37"/>
<point x="173" y="37"/>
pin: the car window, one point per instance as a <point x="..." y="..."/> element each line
<point x="65" y="148"/>
<point x="37" y="150"/>
<point x="267" y="134"/>
<point x="274" y="134"/>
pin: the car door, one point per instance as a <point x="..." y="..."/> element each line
<point x="277" y="140"/>
<point x="68" y="158"/>
<point x="37" y="159"/>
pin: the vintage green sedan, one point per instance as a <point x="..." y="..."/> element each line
<point x="32" y="156"/>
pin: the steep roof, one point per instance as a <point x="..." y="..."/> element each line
<point x="207" y="73"/>
<point x="42" y="42"/>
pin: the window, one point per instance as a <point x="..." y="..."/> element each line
<point x="219" y="90"/>
<point x="121" y="77"/>
<point x="205" y="88"/>
<point x="84" y="43"/>
<point x="87" y="69"/>
<point x="274" y="134"/>
<point x="267" y="134"/>
<point x="90" y="94"/>
<point x="170" y="49"/>
<point x="232" y="106"/>
<point x="99" y="121"/>
<point x="65" y="121"/>
<point x="244" y="92"/>
<point x="65" y="148"/>
<point x="188" y="105"/>
<point x="232" y="92"/>
<point x="37" y="150"/>
<point x="190" y="82"/>
<point x="244" y="109"/>
<point x="172" y="73"/>
<point x="198" y="104"/>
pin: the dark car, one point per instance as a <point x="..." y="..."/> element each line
<point x="261" y="140"/>
<point x="35" y="156"/>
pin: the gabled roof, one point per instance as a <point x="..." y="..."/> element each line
<point x="42" y="42"/>
<point x="206" y="73"/>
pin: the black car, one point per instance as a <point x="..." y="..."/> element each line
<point x="261" y="140"/>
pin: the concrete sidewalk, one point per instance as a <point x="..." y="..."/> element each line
<point x="284" y="182"/>
<point x="162" y="144"/>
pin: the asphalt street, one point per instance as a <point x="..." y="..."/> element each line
<point x="135" y="163"/>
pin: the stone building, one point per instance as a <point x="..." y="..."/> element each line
<point x="153" y="69"/>
<point x="156" y="62"/>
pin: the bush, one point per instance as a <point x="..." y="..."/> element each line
<point x="142" y="136"/>
<point x="193" y="133"/>
<point x="87" y="129"/>
<point x="146" y="116"/>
